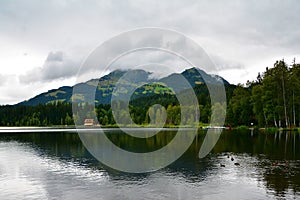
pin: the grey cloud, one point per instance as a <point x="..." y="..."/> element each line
<point x="55" y="56"/>
<point x="240" y="32"/>
<point x="244" y="19"/>
<point x="246" y="22"/>
<point x="150" y="45"/>
<point x="56" y="66"/>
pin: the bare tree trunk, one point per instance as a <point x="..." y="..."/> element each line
<point x="279" y="123"/>
<point x="294" y="113"/>
<point x="275" y="123"/>
<point x="284" y="101"/>
<point x="266" y="123"/>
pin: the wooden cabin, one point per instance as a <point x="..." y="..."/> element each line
<point x="88" y="122"/>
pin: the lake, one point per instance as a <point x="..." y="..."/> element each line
<point x="54" y="164"/>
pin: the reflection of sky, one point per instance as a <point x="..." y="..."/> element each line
<point x="13" y="166"/>
<point x="26" y="175"/>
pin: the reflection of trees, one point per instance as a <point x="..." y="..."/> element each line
<point x="62" y="145"/>
<point x="281" y="178"/>
<point x="282" y="172"/>
<point x="135" y="144"/>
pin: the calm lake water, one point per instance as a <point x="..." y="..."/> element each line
<point x="56" y="165"/>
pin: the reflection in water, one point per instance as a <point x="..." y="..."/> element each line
<point x="57" y="166"/>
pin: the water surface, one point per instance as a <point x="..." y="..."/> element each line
<point x="55" y="165"/>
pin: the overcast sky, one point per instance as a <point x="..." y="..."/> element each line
<point x="43" y="43"/>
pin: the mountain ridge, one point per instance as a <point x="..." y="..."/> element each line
<point x="105" y="86"/>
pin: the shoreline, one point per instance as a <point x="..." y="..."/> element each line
<point x="72" y="128"/>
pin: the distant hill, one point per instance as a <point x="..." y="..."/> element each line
<point x="106" y="84"/>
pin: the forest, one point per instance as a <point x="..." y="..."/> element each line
<point x="272" y="100"/>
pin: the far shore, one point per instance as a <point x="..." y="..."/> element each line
<point x="73" y="128"/>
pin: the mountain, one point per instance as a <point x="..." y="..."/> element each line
<point x="106" y="84"/>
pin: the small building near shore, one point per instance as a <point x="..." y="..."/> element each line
<point x="88" y="122"/>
